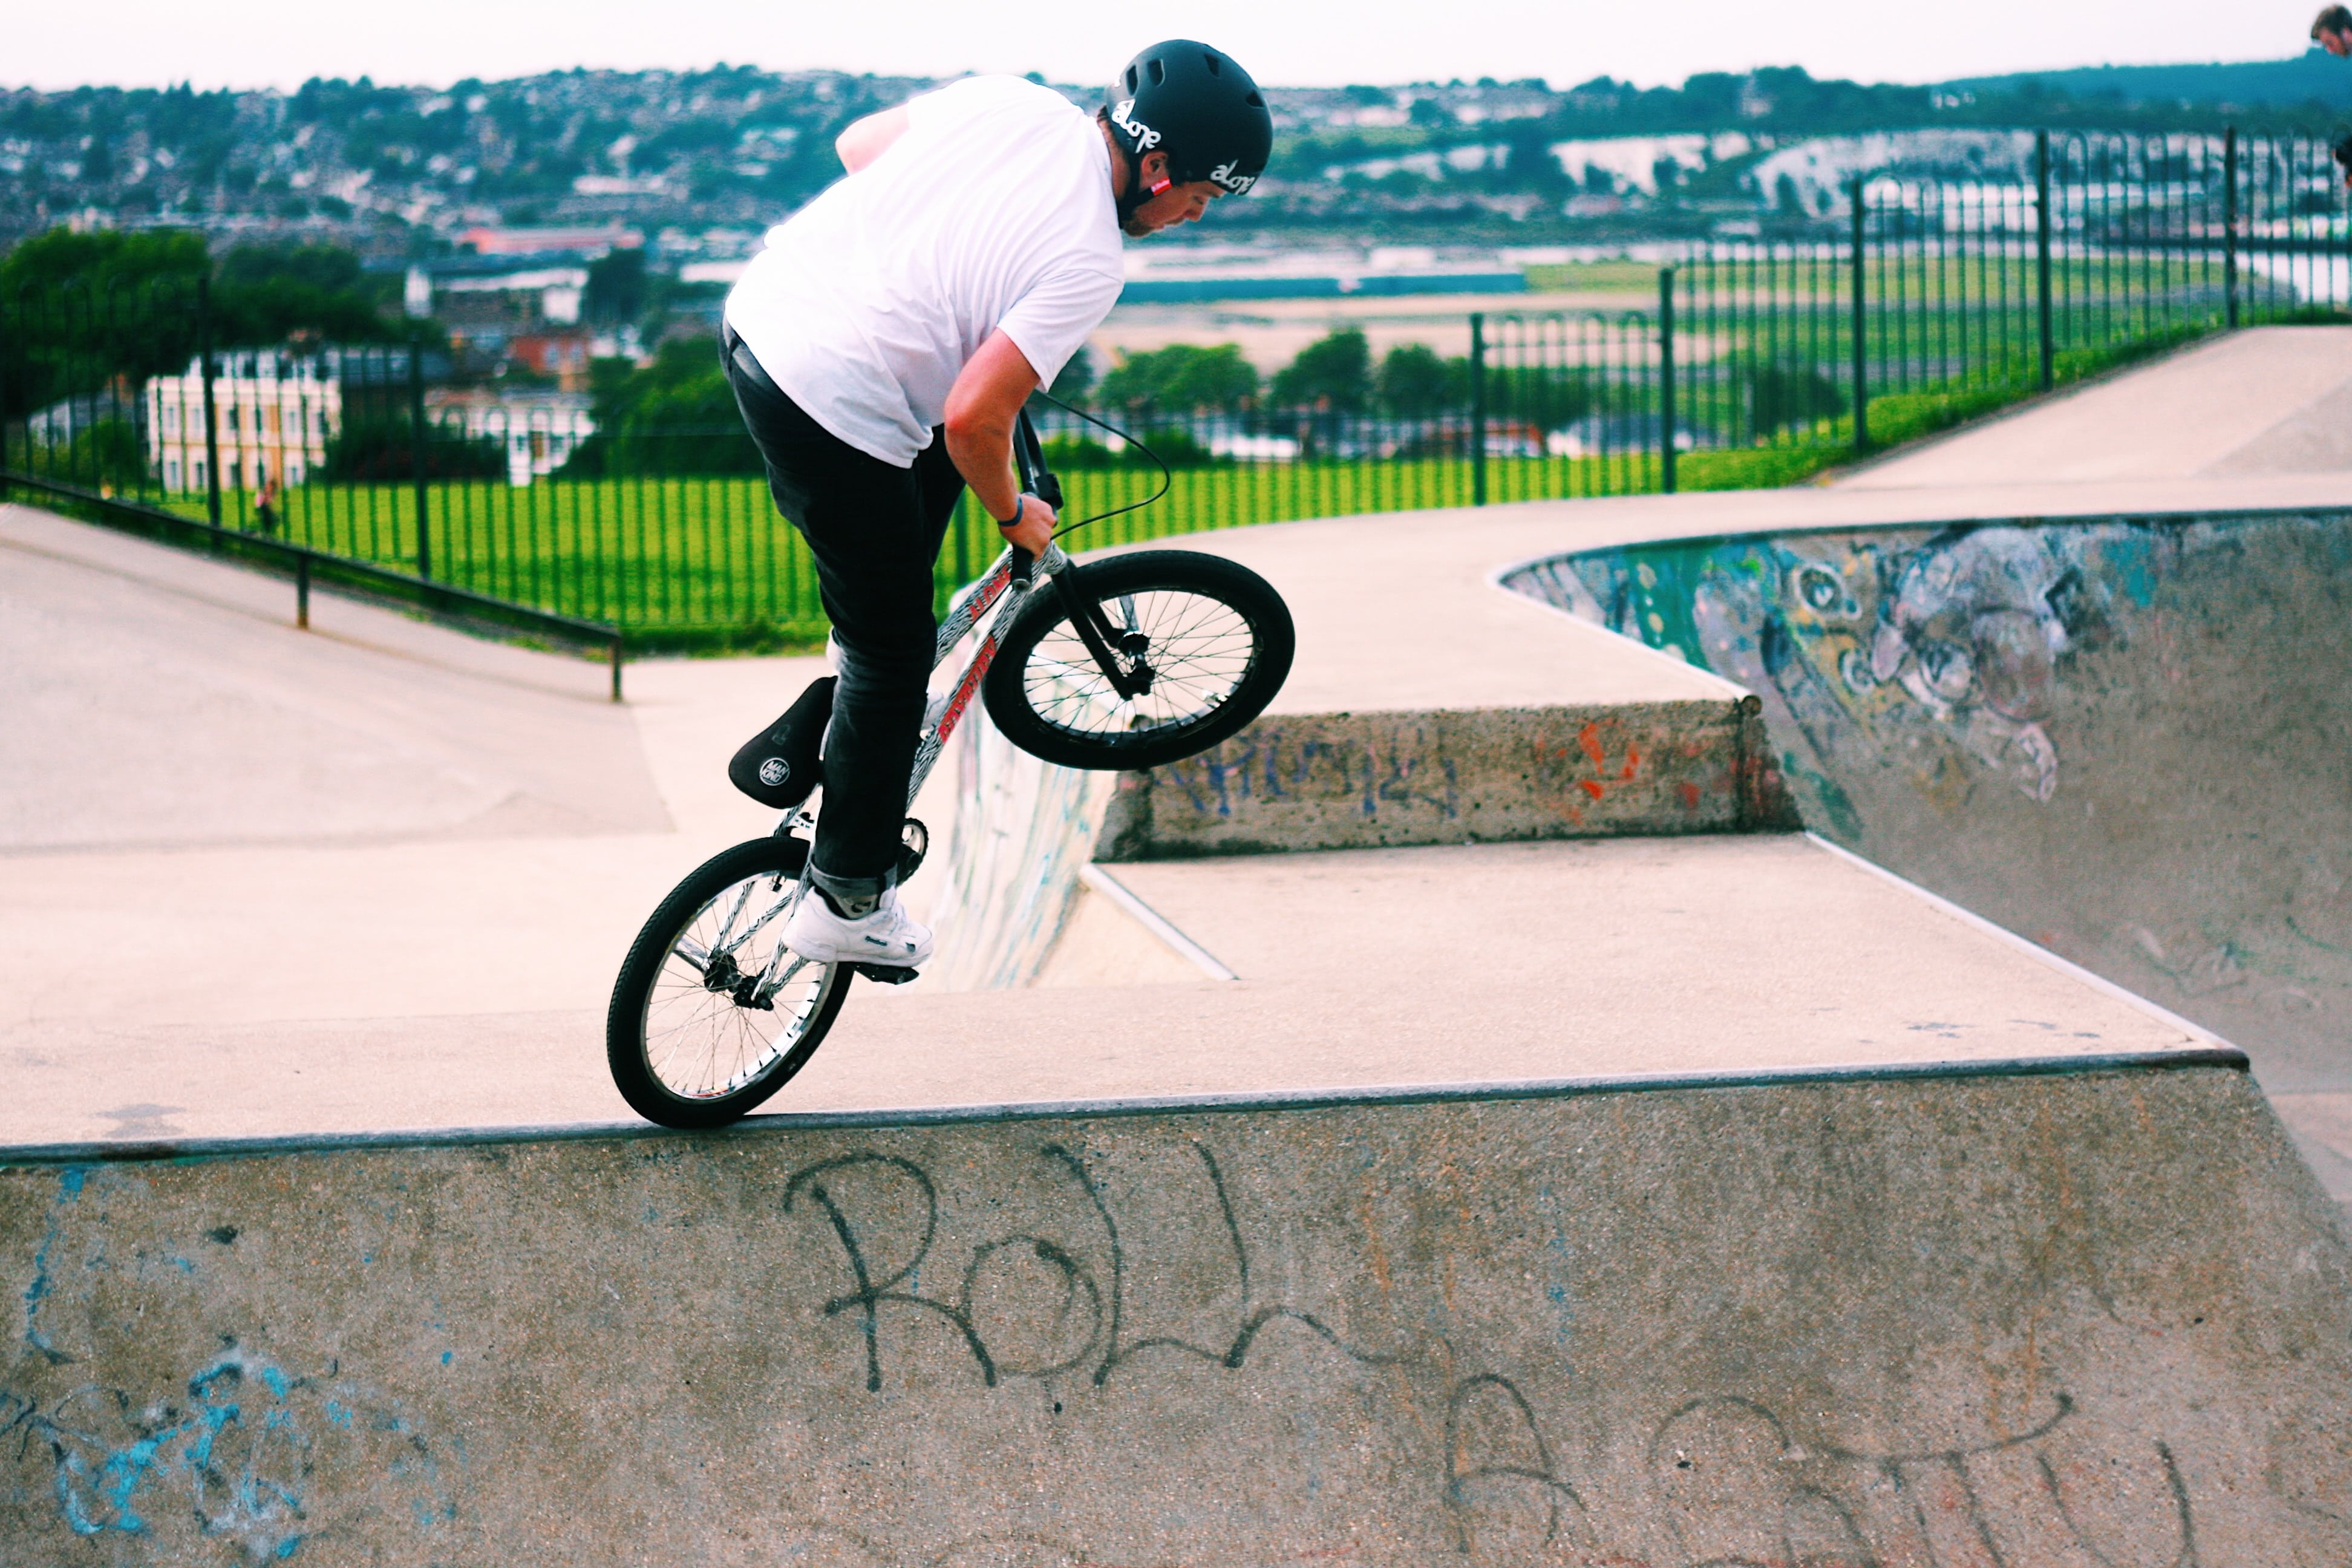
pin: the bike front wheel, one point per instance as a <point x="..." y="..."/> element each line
<point x="711" y="1013"/>
<point x="1198" y="646"/>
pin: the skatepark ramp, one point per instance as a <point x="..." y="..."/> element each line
<point x="2078" y="1312"/>
<point x="1742" y="1205"/>
<point x="2123" y="737"/>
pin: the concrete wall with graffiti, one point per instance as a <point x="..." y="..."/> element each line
<point x="2129" y="739"/>
<point x="1842" y="1324"/>
<point x="1021" y="833"/>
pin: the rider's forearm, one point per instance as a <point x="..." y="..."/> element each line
<point x="980" y="446"/>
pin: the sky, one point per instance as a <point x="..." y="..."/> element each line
<point x="280" y="43"/>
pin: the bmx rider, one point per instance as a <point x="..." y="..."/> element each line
<point x="881" y="349"/>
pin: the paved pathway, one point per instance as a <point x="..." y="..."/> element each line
<point x="381" y="874"/>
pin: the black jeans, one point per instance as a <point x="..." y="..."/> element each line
<point x="875" y="531"/>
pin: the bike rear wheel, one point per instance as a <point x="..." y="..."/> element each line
<point x="1209" y="640"/>
<point x="711" y="1014"/>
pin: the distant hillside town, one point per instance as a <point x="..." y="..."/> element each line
<point x="544" y="258"/>
<point x="698" y="163"/>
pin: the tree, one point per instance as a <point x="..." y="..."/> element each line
<point x="1791" y="395"/>
<point x="272" y="293"/>
<point x="1333" y="372"/>
<point x="1076" y="378"/>
<point x="79" y="309"/>
<point x="677" y="415"/>
<point x="616" y="287"/>
<point x="1415" y="383"/>
<point x="1182" y="378"/>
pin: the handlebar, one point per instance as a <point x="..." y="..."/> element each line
<point x="1029" y="457"/>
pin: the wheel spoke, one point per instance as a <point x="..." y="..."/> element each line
<point x="1198" y="649"/>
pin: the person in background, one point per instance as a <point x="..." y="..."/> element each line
<point x="2332" y="31"/>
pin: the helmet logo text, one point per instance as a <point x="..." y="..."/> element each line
<point x="1238" y="184"/>
<point x="1145" y="138"/>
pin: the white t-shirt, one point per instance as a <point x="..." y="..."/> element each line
<point x="991" y="210"/>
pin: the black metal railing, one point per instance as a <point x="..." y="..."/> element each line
<point x="1924" y="293"/>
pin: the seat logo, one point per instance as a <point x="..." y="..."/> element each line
<point x="1145" y="138"/>
<point x="774" y="771"/>
<point x="1238" y="184"/>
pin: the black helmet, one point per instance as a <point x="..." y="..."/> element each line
<point x="1193" y="103"/>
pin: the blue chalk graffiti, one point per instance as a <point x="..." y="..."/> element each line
<point x="70" y="1182"/>
<point x="238" y="1455"/>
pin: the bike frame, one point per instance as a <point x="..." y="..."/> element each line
<point x="995" y="586"/>
<point x="997" y="589"/>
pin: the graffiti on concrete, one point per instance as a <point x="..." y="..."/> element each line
<point x="1022" y="831"/>
<point x="2120" y="738"/>
<point x="1731" y="1478"/>
<point x="1399" y="767"/>
<point x="885" y="1241"/>
<point x="231" y="1461"/>
<point x="1958" y="636"/>
<point x="1136" y="1280"/>
<point x="234" y="1450"/>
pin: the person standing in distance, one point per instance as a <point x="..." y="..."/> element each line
<point x="2332" y="31"/>
<point x="881" y="349"/>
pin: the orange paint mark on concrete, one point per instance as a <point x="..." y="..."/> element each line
<point x="1591" y="787"/>
<point x="1690" y="798"/>
<point x="1589" y="738"/>
<point x="1633" y="761"/>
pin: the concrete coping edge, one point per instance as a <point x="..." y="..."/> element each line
<point x="2179" y="517"/>
<point x="1276" y="1100"/>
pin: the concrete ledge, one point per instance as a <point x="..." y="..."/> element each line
<point x="1371" y="781"/>
<point x="2226" y="1058"/>
<point x="2077" y="1319"/>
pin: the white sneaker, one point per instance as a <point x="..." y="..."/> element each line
<point x="887" y="935"/>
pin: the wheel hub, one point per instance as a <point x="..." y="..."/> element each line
<point x="724" y="976"/>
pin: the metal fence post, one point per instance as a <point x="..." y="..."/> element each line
<point x="211" y="416"/>
<point x="1666" y="379"/>
<point x="416" y="455"/>
<point x="1860" y="325"/>
<point x="5" y="340"/>
<point x="2042" y="254"/>
<point x="2229" y="225"/>
<point x="1477" y="409"/>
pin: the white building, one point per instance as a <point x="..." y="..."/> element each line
<point x="273" y="414"/>
<point x="539" y="430"/>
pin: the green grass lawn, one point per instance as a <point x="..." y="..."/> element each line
<point x="705" y="562"/>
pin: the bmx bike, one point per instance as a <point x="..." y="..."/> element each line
<point x="1131" y="662"/>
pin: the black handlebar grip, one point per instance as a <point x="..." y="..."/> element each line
<point x="1023" y="564"/>
<point x="1049" y="489"/>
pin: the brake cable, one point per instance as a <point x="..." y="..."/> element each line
<point x="1167" y="479"/>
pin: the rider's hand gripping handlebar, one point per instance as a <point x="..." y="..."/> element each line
<point x="1029" y="458"/>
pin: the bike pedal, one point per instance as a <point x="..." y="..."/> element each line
<point x="886" y="973"/>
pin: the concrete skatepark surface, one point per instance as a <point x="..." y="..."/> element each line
<point x="1801" y="1218"/>
<point x="1835" y="1324"/>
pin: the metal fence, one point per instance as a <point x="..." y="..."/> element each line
<point x="1927" y="295"/>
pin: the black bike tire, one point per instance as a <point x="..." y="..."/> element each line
<point x="624" y="1018"/>
<point x="1274" y="641"/>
